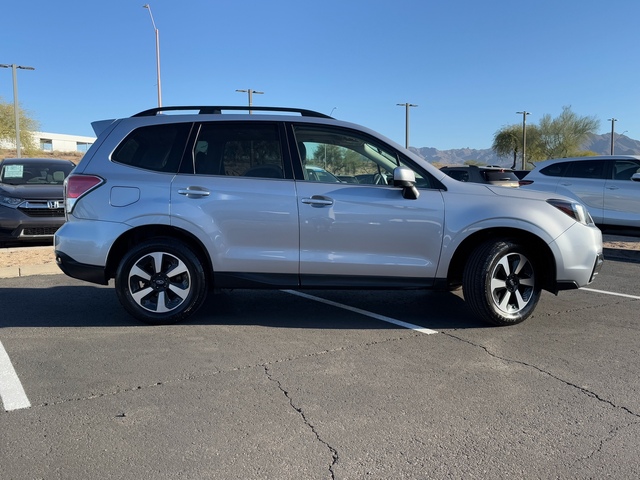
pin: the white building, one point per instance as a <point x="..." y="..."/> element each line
<point x="59" y="142"/>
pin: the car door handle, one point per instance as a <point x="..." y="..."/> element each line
<point x="318" y="201"/>
<point x="194" y="192"/>
<point x="613" y="187"/>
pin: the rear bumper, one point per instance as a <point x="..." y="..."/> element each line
<point x="81" y="271"/>
<point x="81" y="249"/>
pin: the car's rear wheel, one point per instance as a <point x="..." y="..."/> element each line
<point x="500" y="282"/>
<point x="160" y="282"/>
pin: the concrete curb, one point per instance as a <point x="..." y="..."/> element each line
<point x="28" y="270"/>
<point x="621" y="255"/>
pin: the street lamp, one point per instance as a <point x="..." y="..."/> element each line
<point x="250" y="93"/>
<point x="613" y="121"/>
<point x="13" y="68"/>
<point x="157" y="32"/>
<point x="406" y="131"/>
<point x="524" y="114"/>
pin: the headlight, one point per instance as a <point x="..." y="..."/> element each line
<point x="575" y="210"/>
<point x="12" y="202"/>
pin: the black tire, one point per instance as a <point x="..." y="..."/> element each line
<point x="501" y="283"/>
<point x="160" y="282"/>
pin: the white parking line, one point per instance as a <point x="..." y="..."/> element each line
<point x="402" y="324"/>
<point x="636" y="297"/>
<point x="11" y="391"/>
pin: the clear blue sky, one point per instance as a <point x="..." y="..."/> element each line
<point x="469" y="65"/>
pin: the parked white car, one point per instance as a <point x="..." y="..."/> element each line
<point x="172" y="205"/>
<point x="609" y="186"/>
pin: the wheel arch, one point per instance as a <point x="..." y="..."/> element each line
<point x="536" y="247"/>
<point x="140" y="234"/>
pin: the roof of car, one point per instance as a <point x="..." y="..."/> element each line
<point x="191" y="111"/>
<point x="595" y="157"/>
<point x="34" y="160"/>
<point x="217" y="110"/>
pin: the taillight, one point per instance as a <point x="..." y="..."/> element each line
<point x="525" y="182"/>
<point x="75" y="186"/>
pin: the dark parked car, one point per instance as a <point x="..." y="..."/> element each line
<point x="492" y="175"/>
<point x="31" y="198"/>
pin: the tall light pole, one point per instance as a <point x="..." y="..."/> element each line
<point x="613" y="121"/>
<point x="13" y="68"/>
<point x="524" y="114"/>
<point x="157" y="32"/>
<point x="250" y="93"/>
<point x="406" y="128"/>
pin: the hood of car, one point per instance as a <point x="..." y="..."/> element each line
<point x="33" y="192"/>
<point x="523" y="193"/>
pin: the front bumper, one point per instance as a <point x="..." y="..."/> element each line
<point x="16" y="226"/>
<point x="579" y="258"/>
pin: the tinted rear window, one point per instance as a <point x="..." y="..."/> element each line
<point x="555" y="170"/>
<point x="586" y="169"/>
<point x="460" y="175"/>
<point x="156" y="147"/>
<point x="504" y="176"/>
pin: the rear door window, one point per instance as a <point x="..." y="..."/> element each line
<point x="593" y="169"/>
<point x="239" y="150"/>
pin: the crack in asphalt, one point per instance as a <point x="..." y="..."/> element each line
<point x="266" y="366"/>
<point x="193" y="376"/>
<point x="267" y="370"/>
<point x="529" y="365"/>
<point x="612" y="433"/>
<point x="307" y="422"/>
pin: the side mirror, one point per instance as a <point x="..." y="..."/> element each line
<point x="635" y="177"/>
<point x="406" y="178"/>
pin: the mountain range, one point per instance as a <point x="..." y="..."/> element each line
<point x="599" y="144"/>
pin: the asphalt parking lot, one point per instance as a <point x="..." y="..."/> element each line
<point x="320" y="385"/>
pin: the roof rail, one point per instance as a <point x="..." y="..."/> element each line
<point x="208" y="109"/>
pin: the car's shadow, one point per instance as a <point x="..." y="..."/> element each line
<point x="95" y="306"/>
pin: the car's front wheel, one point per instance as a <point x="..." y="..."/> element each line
<point x="500" y="282"/>
<point x="160" y="282"/>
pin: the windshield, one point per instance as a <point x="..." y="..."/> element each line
<point x="27" y="173"/>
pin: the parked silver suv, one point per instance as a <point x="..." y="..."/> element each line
<point x="173" y="203"/>
<point x="609" y="186"/>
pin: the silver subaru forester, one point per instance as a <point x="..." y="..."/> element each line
<point x="175" y="201"/>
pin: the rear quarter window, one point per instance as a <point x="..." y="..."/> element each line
<point x="555" y="170"/>
<point x="156" y="147"/>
